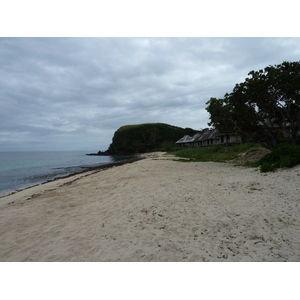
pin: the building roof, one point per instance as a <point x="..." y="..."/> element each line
<point x="185" y="139"/>
<point x="207" y="134"/>
<point x="200" y="136"/>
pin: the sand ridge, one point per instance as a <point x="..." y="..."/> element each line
<point x="156" y="209"/>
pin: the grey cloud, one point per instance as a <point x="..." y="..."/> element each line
<point x="56" y="92"/>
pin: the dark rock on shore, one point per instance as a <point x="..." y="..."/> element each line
<point x="99" y="153"/>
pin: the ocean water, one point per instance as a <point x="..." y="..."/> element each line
<point x="19" y="170"/>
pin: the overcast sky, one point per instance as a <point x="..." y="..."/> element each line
<point x="74" y="93"/>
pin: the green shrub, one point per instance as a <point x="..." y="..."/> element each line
<point x="283" y="156"/>
<point x="267" y="167"/>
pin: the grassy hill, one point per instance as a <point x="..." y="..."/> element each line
<point x="146" y="137"/>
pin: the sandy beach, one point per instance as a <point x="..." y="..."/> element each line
<point x="159" y="210"/>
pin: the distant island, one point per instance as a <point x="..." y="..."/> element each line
<point x="142" y="138"/>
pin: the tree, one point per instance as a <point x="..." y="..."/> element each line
<point x="220" y="115"/>
<point x="262" y="107"/>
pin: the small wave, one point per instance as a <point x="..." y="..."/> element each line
<point x="78" y="168"/>
<point x="41" y="177"/>
<point x="57" y="172"/>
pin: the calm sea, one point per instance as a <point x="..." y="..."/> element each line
<point x="23" y="169"/>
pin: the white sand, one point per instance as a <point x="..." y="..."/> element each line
<point x="156" y="210"/>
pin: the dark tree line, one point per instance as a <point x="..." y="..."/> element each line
<point x="262" y="107"/>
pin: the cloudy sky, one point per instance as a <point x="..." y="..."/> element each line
<point x="74" y="93"/>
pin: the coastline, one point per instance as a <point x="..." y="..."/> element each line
<point x="88" y="169"/>
<point x="155" y="209"/>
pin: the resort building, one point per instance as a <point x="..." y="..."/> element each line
<point x="209" y="137"/>
<point x="187" y="140"/>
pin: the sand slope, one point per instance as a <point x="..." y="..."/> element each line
<point x="156" y="210"/>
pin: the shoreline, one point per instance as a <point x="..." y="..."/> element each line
<point x="88" y="169"/>
<point x="156" y="209"/>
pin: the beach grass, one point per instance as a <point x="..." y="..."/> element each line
<point x="217" y="153"/>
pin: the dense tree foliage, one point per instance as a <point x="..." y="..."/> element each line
<point x="263" y="107"/>
<point x="146" y="137"/>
